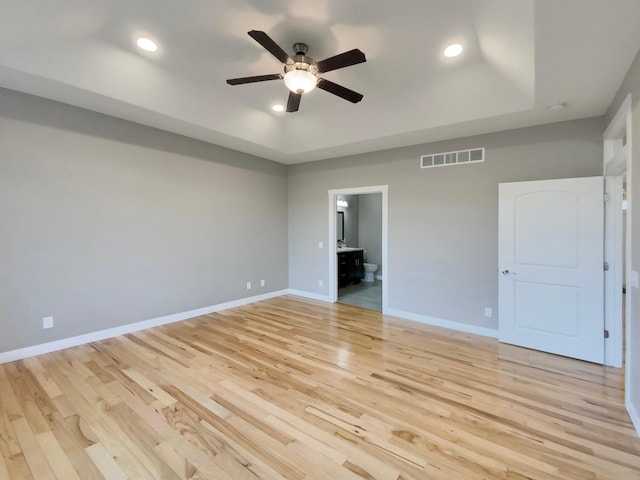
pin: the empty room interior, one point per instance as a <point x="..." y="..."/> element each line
<point x="320" y="240"/>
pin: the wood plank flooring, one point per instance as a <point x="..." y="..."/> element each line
<point x="295" y="389"/>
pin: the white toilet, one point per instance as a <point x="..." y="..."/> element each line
<point x="369" y="270"/>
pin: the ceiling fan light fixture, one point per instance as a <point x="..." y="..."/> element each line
<point x="300" y="81"/>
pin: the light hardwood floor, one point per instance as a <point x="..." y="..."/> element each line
<point x="295" y="389"/>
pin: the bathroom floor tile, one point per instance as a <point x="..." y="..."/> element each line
<point x="365" y="295"/>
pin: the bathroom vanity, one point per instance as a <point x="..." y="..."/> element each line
<point x="350" y="266"/>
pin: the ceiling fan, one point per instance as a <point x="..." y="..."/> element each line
<point x="301" y="71"/>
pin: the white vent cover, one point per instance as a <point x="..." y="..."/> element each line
<point x="473" y="155"/>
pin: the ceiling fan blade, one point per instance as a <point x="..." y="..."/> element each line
<point x="346" y="59"/>
<point x="272" y="47"/>
<point x="294" y="102"/>
<point x="258" y="78"/>
<point x="339" y="90"/>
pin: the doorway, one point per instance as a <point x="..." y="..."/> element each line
<point x="379" y="194"/>
<point x="360" y="272"/>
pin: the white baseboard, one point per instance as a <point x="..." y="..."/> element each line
<point x="34" y="350"/>
<point x="635" y="416"/>
<point x="310" y="295"/>
<point x="439" y="322"/>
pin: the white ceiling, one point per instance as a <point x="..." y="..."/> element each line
<point x="520" y="57"/>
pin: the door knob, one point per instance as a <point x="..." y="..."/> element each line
<point x="507" y="272"/>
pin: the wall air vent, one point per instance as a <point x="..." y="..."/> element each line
<point x="460" y="157"/>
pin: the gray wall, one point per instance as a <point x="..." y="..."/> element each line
<point x="106" y="222"/>
<point x="370" y="222"/>
<point x="443" y="222"/>
<point x="631" y="85"/>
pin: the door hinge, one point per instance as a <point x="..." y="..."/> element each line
<point x="606" y="266"/>
<point x="606" y="197"/>
<point x="606" y="334"/>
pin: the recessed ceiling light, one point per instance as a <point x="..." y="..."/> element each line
<point x="453" y="50"/>
<point x="147" y="44"/>
<point x="557" y="107"/>
<point x="277" y="108"/>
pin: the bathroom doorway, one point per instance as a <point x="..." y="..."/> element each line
<point x="358" y="232"/>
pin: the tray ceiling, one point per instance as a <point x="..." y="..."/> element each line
<point x="520" y="57"/>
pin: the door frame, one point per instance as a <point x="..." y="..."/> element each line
<point x="617" y="163"/>
<point x="333" y="245"/>
<point x="613" y="281"/>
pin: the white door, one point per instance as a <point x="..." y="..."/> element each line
<point x="551" y="266"/>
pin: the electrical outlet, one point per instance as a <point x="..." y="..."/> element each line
<point x="320" y="244"/>
<point x="262" y="283"/>
<point x="248" y="285"/>
<point x="634" y="279"/>
<point x="488" y="312"/>
<point x="47" y="322"/>
<point x="320" y="283"/>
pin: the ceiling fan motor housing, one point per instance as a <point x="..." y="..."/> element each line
<point x="304" y="63"/>
<point x="300" y="61"/>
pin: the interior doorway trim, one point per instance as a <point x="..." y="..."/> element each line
<point x="617" y="163"/>
<point x="333" y="246"/>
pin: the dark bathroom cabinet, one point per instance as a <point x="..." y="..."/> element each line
<point x="350" y="267"/>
